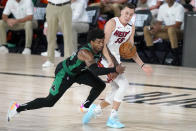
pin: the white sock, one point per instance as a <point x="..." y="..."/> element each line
<point x="98" y="106"/>
<point x="98" y="110"/>
<point x="114" y="113"/>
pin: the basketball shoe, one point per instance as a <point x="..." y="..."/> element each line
<point x="114" y="122"/>
<point x="93" y="112"/>
<point x="83" y="109"/>
<point x="12" y="111"/>
<point x="89" y="115"/>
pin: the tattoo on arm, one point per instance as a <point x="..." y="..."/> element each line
<point x="86" y="56"/>
<point x="113" y="58"/>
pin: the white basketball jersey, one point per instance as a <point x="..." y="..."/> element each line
<point x="120" y="35"/>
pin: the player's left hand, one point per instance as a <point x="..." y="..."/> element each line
<point x="147" y="69"/>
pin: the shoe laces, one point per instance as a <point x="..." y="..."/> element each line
<point x="116" y="119"/>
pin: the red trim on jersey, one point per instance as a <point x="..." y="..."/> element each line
<point x="109" y="79"/>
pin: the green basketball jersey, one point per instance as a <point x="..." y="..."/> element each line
<point x="73" y="66"/>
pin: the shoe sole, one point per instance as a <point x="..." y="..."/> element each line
<point x="111" y="126"/>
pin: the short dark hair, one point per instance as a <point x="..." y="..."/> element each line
<point x="95" y="34"/>
<point x="129" y="5"/>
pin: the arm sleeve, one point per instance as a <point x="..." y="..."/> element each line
<point x="29" y="7"/>
<point x="160" y="14"/>
<point x="101" y="70"/>
<point x="180" y="14"/>
<point x="7" y="10"/>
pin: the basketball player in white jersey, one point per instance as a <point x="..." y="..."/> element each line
<point x="117" y="31"/>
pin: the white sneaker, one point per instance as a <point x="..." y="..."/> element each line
<point x="26" y="51"/>
<point x="12" y="111"/>
<point x="44" y="54"/>
<point x="56" y="53"/>
<point x="48" y="64"/>
<point x="3" y="50"/>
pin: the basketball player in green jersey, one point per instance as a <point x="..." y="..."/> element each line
<point x="81" y="68"/>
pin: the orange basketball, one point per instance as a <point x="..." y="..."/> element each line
<point x="127" y="50"/>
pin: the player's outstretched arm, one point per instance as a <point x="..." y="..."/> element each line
<point x="146" y="68"/>
<point x="87" y="57"/>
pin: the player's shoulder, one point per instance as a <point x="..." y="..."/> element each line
<point x="178" y="5"/>
<point x="163" y="6"/>
<point x="84" y="54"/>
<point x="112" y="21"/>
<point x="110" y="25"/>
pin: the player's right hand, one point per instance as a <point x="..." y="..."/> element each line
<point x="120" y="69"/>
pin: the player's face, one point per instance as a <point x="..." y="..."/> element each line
<point x="127" y="14"/>
<point x="98" y="45"/>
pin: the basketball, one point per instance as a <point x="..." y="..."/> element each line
<point x="127" y="50"/>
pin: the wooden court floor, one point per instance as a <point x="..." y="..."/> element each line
<point x="165" y="101"/>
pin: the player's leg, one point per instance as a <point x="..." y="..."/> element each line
<point x="110" y="96"/>
<point x="123" y="84"/>
<point x="95" y="82"/>
<point x="96" y="110"/>
<point x="59" y="86"/>
<point x="114" y="98"/>
<point x="97" y="87"/>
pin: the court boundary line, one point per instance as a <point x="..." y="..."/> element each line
<point x="132" y="84"/>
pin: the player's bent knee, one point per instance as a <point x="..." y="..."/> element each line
<point x="103" y="86"/>
<point x="120" y="93"/>
<point x="50" y="100"/>
<point x="51" y="104"/>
